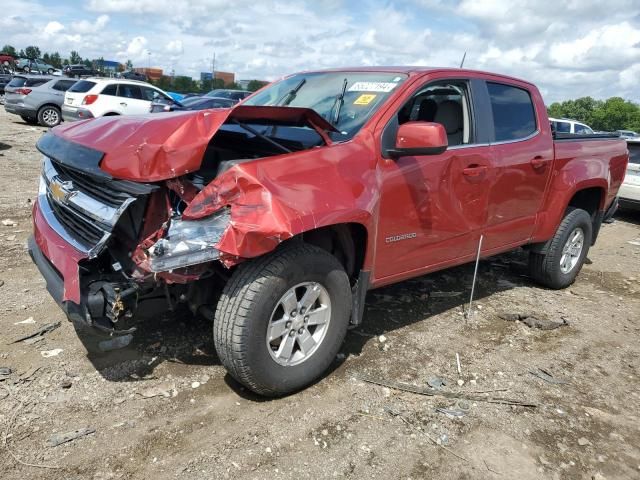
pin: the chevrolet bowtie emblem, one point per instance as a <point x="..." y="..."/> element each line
<point x="60" y="191"/>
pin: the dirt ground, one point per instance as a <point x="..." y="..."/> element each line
<point x="164" y="407"/>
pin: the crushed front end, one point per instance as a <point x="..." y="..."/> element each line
<point x="109" y="250"/>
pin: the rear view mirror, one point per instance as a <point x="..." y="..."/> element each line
<point x="419" y="138"/>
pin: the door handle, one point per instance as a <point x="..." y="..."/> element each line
<point x="123" y="104"/>
<point x="538" y="162"/>
<point x="474" y="170"/>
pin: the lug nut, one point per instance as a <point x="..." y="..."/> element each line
<point x="302" y="310"/>
<point x="306" y="318"/>
<point x="294" y="313"/>
<point x="301" y="331"/>
<point x="288" y="324"/>
<point x="292" y="333"/>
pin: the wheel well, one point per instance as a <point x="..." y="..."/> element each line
<point x="49" y="105"/>
<point x="346" y="241"/>
<point x="588" y="199"/>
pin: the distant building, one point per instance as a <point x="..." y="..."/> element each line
<point x="151" y="73"/>
<point x="110" y="66"/>
<point x="226" y="77"/>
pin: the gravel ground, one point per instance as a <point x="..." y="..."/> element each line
<point x="164" y="408"/>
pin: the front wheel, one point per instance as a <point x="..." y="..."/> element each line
<point x="282" y="318"/>
<point x="565" y="252"/>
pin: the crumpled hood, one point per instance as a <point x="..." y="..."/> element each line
<point x="161" y="146"/>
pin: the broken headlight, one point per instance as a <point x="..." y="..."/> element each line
<point x="189" y="242"/>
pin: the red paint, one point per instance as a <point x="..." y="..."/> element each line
<point x="421" y="134"/>
<point x="63" y="256"/>
<point x="513" y="193"/>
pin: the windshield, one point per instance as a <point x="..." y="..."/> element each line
<point x="345" y="99"/>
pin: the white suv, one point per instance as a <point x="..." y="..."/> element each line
<point x="564" y="125"/>
<point x="96" y="97"/>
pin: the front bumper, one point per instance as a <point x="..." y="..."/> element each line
<point x="59" y="264"/>
<point x="20" y="110"/>
<point x="72" y="114"/>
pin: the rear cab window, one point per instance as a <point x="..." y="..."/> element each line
<point x="514" y="116"/>
<point x="83" y="86"/>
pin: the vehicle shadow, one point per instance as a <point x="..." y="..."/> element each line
<point x="4" y="146"/>
<point x="180" y="338"/>
<point x="628" y="215"/>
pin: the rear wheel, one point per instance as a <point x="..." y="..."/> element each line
<point x="50" y="71"/>
<point x="26" y="69"/>
<point x="565" y="252"/>
<point x="282" y="318"/>
<point x="49" y="116"/>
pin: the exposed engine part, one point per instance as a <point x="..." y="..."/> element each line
<point x="112" y="301"/>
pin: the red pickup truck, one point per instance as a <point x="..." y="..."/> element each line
<point x="275" y="217"/>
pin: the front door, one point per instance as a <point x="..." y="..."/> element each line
<point x="433" y="207"/>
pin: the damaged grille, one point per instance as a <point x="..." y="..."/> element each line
<point x="80" y="208"/>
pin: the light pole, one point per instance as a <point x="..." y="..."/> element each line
<point x="148" y="59"/>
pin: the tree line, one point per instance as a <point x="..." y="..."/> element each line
<point x="608" y="115"/>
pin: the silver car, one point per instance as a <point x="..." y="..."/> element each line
<point x="36" y="98"/>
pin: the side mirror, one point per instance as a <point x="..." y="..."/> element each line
<point x="419" y="138"/>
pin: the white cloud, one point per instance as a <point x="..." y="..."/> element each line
<point x="581" y="47"/>
<point x="53" y="27"/>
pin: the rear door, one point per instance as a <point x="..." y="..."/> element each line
<point x="58" y="90"/>
<point x="522" y="149"/>
<point x="131" y="100"/>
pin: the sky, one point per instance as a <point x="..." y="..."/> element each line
<point x="570" y="49"/>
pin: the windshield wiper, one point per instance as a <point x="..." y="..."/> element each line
<point x="288" y="97"/>
<point x="339" y="101"/>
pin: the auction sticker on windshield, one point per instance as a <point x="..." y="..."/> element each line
<point x="365" y="99"/>
<point x="383" y="87"/>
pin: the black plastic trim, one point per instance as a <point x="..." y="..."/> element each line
<point x="359" y="295"/>
<point x="71" y="154"/>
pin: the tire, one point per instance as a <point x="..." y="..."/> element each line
<point x="254" y="296"/>
<point x="26" y="69"/>
<point x="50" y="71"/>
<point x="49" y="116"/>
<point x="29" y="120"/>
<point x="546" y="268"/>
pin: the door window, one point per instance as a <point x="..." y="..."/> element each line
<point x="513" y="113"/>
<point x="130" y="91"/>
<point x="63" y="85"/>
<point x="446" y="103"/>
<point x="111" y="90"/>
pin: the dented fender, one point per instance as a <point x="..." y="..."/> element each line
<point x="276" y="198"/>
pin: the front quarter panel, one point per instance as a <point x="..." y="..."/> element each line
<point x="277" y="198"/>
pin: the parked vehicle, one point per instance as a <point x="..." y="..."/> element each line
<point x="17" y="90"/>
<point x="79" y="70"/>
<point x="38" y="103"/>
<point x="275" y="217"/>
<point x="133" y="75"/>
<point x="630" y="189"/>
<point x="5" y="77"/>
<point x="628" y="134"/>
<point x="564" y="125"/>
<point x="235" y="95"/>
<point x="28" y="65"/>
<point x="7" y="60"/>
<point x="192" y="103"/>
<point x="97" y="97"/>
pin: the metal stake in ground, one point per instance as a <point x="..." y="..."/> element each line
<point x="475" y="274"/>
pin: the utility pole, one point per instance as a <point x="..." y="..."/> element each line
<point x="213" y="70"/>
